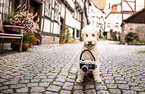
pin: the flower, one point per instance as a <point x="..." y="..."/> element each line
<point x="25" y="19"/>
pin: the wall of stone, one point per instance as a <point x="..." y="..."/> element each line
<point x="50" y="40"/>
<point x="136" y="28"/>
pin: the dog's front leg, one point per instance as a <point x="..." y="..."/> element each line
<point x="81" y="75"/>
<point x="98" y="69"/>
<point x="96" y="75"/>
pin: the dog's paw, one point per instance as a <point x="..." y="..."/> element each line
<point x="98" y="80"/>
<point x="79" y="80"/>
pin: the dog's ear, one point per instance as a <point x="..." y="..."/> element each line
<point x="82" y="35"/>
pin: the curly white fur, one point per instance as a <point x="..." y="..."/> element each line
<point x="89" y="34"/>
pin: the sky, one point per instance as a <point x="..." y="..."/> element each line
<point x="139" y="3"/>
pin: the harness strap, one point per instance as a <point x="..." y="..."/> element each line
<point x="89" y="52"/>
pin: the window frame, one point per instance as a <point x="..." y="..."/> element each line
<point x="48" y="7"/>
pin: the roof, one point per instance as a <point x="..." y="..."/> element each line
<point x="97" y="7"/>
<point x="138" y="17"/>
<point x="115" y="11"/>
<point x="99" y="3"/>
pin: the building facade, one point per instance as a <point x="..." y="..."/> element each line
<point x="4" y="7"/>
<point x="58" y="13"/>
<point x="54" y="15"/>
<point x="114" y="21"/>
<point x="135" y="24"/>
<point x="115" y="15"/>
<point x="97" y="17"/>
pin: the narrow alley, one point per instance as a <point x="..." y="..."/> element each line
<point x="52" y="69"/>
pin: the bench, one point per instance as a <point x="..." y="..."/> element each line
<point x="5" y="35"/>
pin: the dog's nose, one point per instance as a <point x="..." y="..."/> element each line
<point x="89" y="42"/>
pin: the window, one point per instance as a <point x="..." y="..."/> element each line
<point x="97" y="25"/>
<point x="4" y="6"/>
<point x="56" y="15"/>
<point x="80" y="17"/>
<point x="48" y="8"/>
<point x="108" y="26"/>
<point x="131" y="28"/>
<point x="100" y="23"/>
<point x="1" y="5"/>
<point x="76" y="14"/>
<point x="78" y="33"/>
<point x="73" y="33"/>
<point x="91" y="10"/>
<point x="117" y="17"/>
<point x="117" y="25"/>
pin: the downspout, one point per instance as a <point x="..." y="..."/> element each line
<point x="122" y="26"/>
<point x="85" y="8"/>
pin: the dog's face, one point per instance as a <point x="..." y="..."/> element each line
<point x="89" y="34"/>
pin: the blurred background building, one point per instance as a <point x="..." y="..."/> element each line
<point x="109" y="16"/>
<point x="53" y="14"/>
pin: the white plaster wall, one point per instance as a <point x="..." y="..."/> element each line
<point x="52" y="27"/>
<point x="56" y="28"/>
<point x="71" y="3"/>
<point x="46" y="25"/>
<point x="62" y="11"/>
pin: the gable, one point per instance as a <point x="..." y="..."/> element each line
<point x="138" y="17"/>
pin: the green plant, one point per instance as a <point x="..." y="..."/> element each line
<point x="131" y="36"/>
<point x="101" y="37"/>
<point x="7" y="18"/>
<point x="141" y="52"/>
<point x="31" y="37"/>
<point x="26" y="20"/>
<point x="62" y="34"/>
<point x="68" y="35"/>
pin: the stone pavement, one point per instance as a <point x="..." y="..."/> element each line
<point x="51" y="69"/>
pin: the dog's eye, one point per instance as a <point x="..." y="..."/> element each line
<point x="86" y="35"/>
<point x="93" y="35"/>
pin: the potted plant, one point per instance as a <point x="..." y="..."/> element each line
<point x="62" y="35"/>
<point x="131" y="38"/>
<point x="105" y="35"/>
<point x="25" y="19"/>
<point x="68" y="35"/>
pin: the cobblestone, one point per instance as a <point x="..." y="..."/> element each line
<point x="115" y="91"/>
<point x="52" y="69"/>
<point x="21" y="90"/>
<point x="53" y="88"/>
<point x="37" y="89"/>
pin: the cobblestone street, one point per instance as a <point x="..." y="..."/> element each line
<point x="51" y="69"/>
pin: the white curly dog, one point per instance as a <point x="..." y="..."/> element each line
<point x="89" y="34"/>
